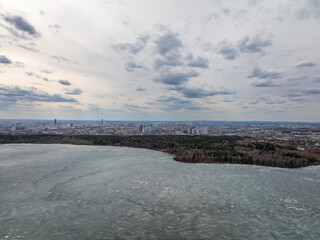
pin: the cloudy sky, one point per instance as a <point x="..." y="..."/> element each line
<point x="160" y="59"/>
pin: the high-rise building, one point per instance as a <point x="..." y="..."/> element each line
<point x="101" y="121"/>
<point x="55" y="121"/>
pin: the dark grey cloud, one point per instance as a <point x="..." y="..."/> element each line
<point x="5" y="60"/>
<point x="134" y="107"/>
<point x="32" y="74"/>
<point x="310" y="10"/>
<point x="267" y="100"/>
<point x="172" y="59"/>
<point x="176" y="103"/>
<point x="64" y="82"/>
<point x="175" y="78"/>
<point x="167" y="43"/>
<point x="276" y="101"/>
<point x="22" y="25"/>
<point x="16" y="94"/>
<point x="297" y="79"/>
<point x="298" y="100"/>
<point x="140" y="89"/>
<point x="263" y="83"/>
<point x="196" y="107"/>
<point x="131" y="66"/>
<point x="311" y="91"/>
<point x="27" y="46"/>
<point x="201" y="93"/>
<point x="304" y="64"/>
<point x="253" y="45"/>
<point x="173" y="100"/>
<point x="168" y="46"/>
<point x="264" y="74"/>
<point x="200" y="62"/>
<point x="177" y="107"/>
<point x="76" y="91"/>
<point x="293" y="95"/>
<point x="133" y="48"/>
<point x="67" y="108"/>
<point x="316" y="79"/>
<point x="227" y="51"/>
<point x="15" y="106"/>
<point x="257" y="101"/>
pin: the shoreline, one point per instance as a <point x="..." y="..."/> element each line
<point x="172" y="155"/>
<point x="186" y="149"/>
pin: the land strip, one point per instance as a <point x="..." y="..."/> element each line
<point x="191" y="149"/>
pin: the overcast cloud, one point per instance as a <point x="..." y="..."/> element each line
<point x="160" y="60"/>
<point x="21" y="24"/>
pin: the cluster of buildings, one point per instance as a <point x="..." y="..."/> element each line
<point x="302" y="134"/>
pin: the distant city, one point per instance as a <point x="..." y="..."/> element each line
<point x="299" y="134"/>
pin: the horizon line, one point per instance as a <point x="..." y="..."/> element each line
<point x="106" y="120"/>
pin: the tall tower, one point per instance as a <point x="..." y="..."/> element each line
<point x="55" y="121"/>
<point x="101" y="121"/>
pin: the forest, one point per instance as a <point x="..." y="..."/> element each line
<point x="190" y="149"/>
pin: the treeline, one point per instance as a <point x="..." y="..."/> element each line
<point x="191" y="149"/>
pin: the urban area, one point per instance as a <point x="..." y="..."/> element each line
<point x="302" y="135"/>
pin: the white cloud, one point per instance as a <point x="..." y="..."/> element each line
<point x="122" y="55"/>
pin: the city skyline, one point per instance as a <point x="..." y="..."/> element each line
<point x="160" y="60"/>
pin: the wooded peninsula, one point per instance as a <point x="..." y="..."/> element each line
<point x="191" y="149"/>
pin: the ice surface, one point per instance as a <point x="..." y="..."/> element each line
<point x="94" y="192"/>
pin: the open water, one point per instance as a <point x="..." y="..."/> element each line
<point x="95" y="192"/>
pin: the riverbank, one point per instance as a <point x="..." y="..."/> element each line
<point x="190" y="149"/>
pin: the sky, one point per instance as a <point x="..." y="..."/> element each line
<point x="160" y="60"/>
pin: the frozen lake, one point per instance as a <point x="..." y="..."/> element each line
<point x="95" y="192"/>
